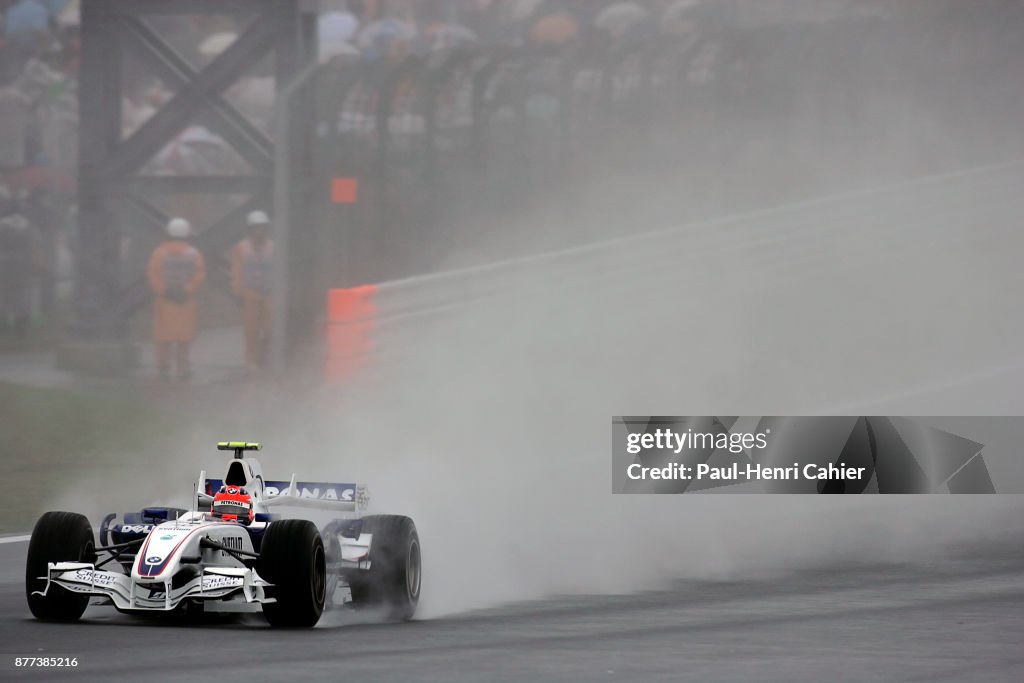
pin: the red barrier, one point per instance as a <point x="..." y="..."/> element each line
<point x="344" y="190"/>
<point x="350" y="321"/>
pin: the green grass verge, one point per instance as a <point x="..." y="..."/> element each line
<point x="51" y="438"/>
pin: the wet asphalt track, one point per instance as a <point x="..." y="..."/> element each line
<point x="961" y="618"/>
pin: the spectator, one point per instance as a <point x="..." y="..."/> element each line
<point x="18" y="263"/>
<point x="16" y="114"/>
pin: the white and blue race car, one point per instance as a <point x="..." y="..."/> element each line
<point x="232" y="553"/>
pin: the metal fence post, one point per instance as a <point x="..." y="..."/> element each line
<point x="282" y="216"/>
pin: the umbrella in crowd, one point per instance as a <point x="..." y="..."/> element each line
<point x="217" y="43"/>
<point x="26" y="19"/>
<point x="620" y="18"/>
<point x="335" y="28"/>
<point x="196" y="150"/>
<point x="558" y="28"/>
<point x="379" y="37"/>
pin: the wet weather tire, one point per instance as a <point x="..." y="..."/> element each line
<point x="57" y="537"/>
<point x="393" y="580"/>
<point x="292" y="558"/>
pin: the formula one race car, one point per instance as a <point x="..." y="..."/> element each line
<point x="229" y="554"/>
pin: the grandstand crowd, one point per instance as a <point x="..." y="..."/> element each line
<point x="795" y="93"/>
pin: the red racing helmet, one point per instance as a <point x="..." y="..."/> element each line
<point x="233" y="504"/>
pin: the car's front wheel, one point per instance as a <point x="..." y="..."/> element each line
<point x="292" y="558"/>
<point x="57" y="537"/>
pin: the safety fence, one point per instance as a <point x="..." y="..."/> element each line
<point x="691" y="266"/>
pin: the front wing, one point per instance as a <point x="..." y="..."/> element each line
<point x="240" y="586"/>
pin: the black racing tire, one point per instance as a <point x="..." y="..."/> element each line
<point x="57" y="537"/>
<point x="396" y="570"/>
<point x="292" y="558"/>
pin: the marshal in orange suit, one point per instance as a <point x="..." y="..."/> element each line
<point x="176" y="272"/>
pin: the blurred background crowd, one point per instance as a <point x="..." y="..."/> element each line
<point x="38" y="107"/>
<point x="483" y="129"/>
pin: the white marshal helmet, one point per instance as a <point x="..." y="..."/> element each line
<point x="178" y="228"/>
<point x="257" y="218"/>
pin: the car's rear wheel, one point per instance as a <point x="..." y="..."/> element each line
<point x="57" y="537"/>
<point x="292" y="558"/>
<point x="396" y="569"/>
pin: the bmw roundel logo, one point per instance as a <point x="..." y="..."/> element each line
<point x="153" y="559"/>
<point x="232" y="490"/>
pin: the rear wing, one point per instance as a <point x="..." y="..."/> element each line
<point x="239" y="447"/>
<point x="320" y="495"/>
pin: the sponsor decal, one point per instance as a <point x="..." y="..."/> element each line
<point x="233" y="542"/>
<point x="135" y="528"/>
<point x="93" y="576"/>
<point x="167" y="537"/>
<point x="232" y="490"/>
<point x="211" y="583"/>
<point x="154" y="559"/>
<point x="316" y="491"/>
